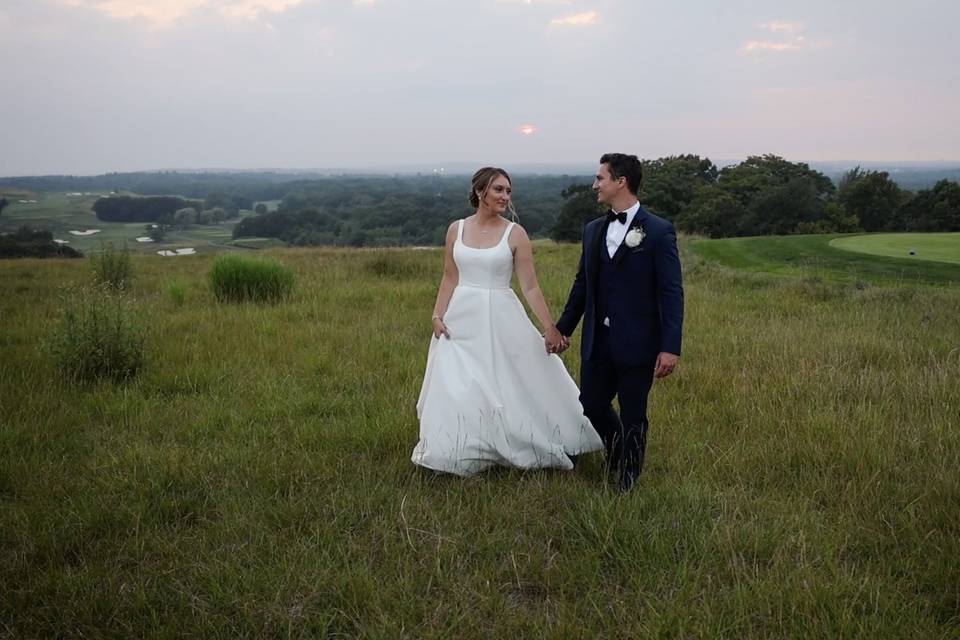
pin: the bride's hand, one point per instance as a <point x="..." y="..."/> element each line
<point x="553" y="340"/>
<point x="439" y="328"/>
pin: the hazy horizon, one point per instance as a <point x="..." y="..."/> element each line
<point x="467" y="168"/>
<point x="100" y="86"/>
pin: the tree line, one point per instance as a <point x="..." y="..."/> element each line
<point x="27" y="242"/>
<point x="395" y="211"/>
<point x="763" y="195"/>
<point x="768" y="195"/>
<point x="760" y="196"/>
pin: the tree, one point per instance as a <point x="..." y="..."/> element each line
<point x="156" y="232"/>
<point x="138" y="209"/>
<point x="759" y="173"/>
<point x="579" y="208"/>
<point x="29" y="242"/>
<point x="779" y="195"/>
<point x="712" y="212"/>
<point x="185" y="217"/>
<point x="781" y="209"/>
<point x="871" y="196"/>
<point x="669" y="183"/>
<point x="260" y="208"/>
<point x="3" y="204"/>
<point x="936" y="209"/>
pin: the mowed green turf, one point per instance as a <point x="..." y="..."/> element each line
<point x="815" y="256"/>
<point x="938" y="247"/>
<point x="62" y="213"/>
<point x="801" y="479"/>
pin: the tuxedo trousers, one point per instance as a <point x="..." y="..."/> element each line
<point x="605" y="376"/>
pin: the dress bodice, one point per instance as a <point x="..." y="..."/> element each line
<point x="490" y="268"/>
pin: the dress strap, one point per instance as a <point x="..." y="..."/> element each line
<point x="506" y="234"/>
<point x="460" y="231"/>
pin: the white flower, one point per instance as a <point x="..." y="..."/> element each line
<point x="635" y="236"/>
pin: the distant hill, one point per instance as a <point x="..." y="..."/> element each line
<point x="912" y="175"/>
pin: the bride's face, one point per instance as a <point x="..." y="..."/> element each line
<point x="498" y="193"/>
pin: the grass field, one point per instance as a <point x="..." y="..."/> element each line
<point x="255" y="481"/>
<point x="819" y="256"/>
<point x="62" y="213"/>
<point x="938" y="247"/>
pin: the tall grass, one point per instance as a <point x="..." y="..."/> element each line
<point x="98" y="336"/>
<point x="112" y="267"/>
<point x="801" y="476"/>
<point x="176" y="291"/>
<point x="238" y="279"/>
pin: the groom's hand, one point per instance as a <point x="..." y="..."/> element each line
<point x="552" y="340"/>
<point x="558" y="347"/>
<point x="666" y="363"/>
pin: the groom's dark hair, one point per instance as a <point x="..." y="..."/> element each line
<point x="621" y="165"/>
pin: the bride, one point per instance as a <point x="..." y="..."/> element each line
<point x="494" y="391"/>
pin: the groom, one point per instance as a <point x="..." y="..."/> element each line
<point x="629" y="291"/>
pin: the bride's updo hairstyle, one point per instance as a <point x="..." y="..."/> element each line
<point x="481" y="182"/>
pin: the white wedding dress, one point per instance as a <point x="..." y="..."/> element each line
<point x="491" y="395"/>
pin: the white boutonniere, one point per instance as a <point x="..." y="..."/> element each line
<point x="634" y="237"/>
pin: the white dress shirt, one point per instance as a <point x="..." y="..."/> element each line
<point x="617" y="231"/>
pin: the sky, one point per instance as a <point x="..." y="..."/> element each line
<point x="93" y="86"/>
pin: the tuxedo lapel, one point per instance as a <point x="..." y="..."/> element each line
<point x="638" y="221"/>
<point x="598" y="243"/>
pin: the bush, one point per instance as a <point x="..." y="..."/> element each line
<point x="98" y="337"/>
<point x="28" y="242"/>
<point x="237" y="279"/>
<point x="112" y="269"/>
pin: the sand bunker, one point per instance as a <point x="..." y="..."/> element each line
<point x="144" y="239"/>
<point x="177" y="252"/>
<point x="88" y="232"/>
<point x="59" y="241"/>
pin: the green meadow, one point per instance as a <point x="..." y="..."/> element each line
<point x="254" y="481"/>
<point x="938" y="247"/>
<point x="871" y="258"/>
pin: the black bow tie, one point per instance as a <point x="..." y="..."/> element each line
<point x="613" y="215"/>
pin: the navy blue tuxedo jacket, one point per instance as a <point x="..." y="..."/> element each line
<point x="649" y="318"/>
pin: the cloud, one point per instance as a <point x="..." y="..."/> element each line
<point x="765" y="45"/>
<point x="781" y="26"/>
<point x="163" y="13"/>
<point x="577" y="20"/>
<point x="789" y="43"/>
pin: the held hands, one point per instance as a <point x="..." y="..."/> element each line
<point x="554" y="341"/>
<point x="666" y="363"/>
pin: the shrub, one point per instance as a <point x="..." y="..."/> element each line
<point x="238" y="279"/>
<point x="98" y="336"/>
<point x="112" y="268"/>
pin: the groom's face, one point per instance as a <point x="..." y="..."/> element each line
<point x="606" y="187"/>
